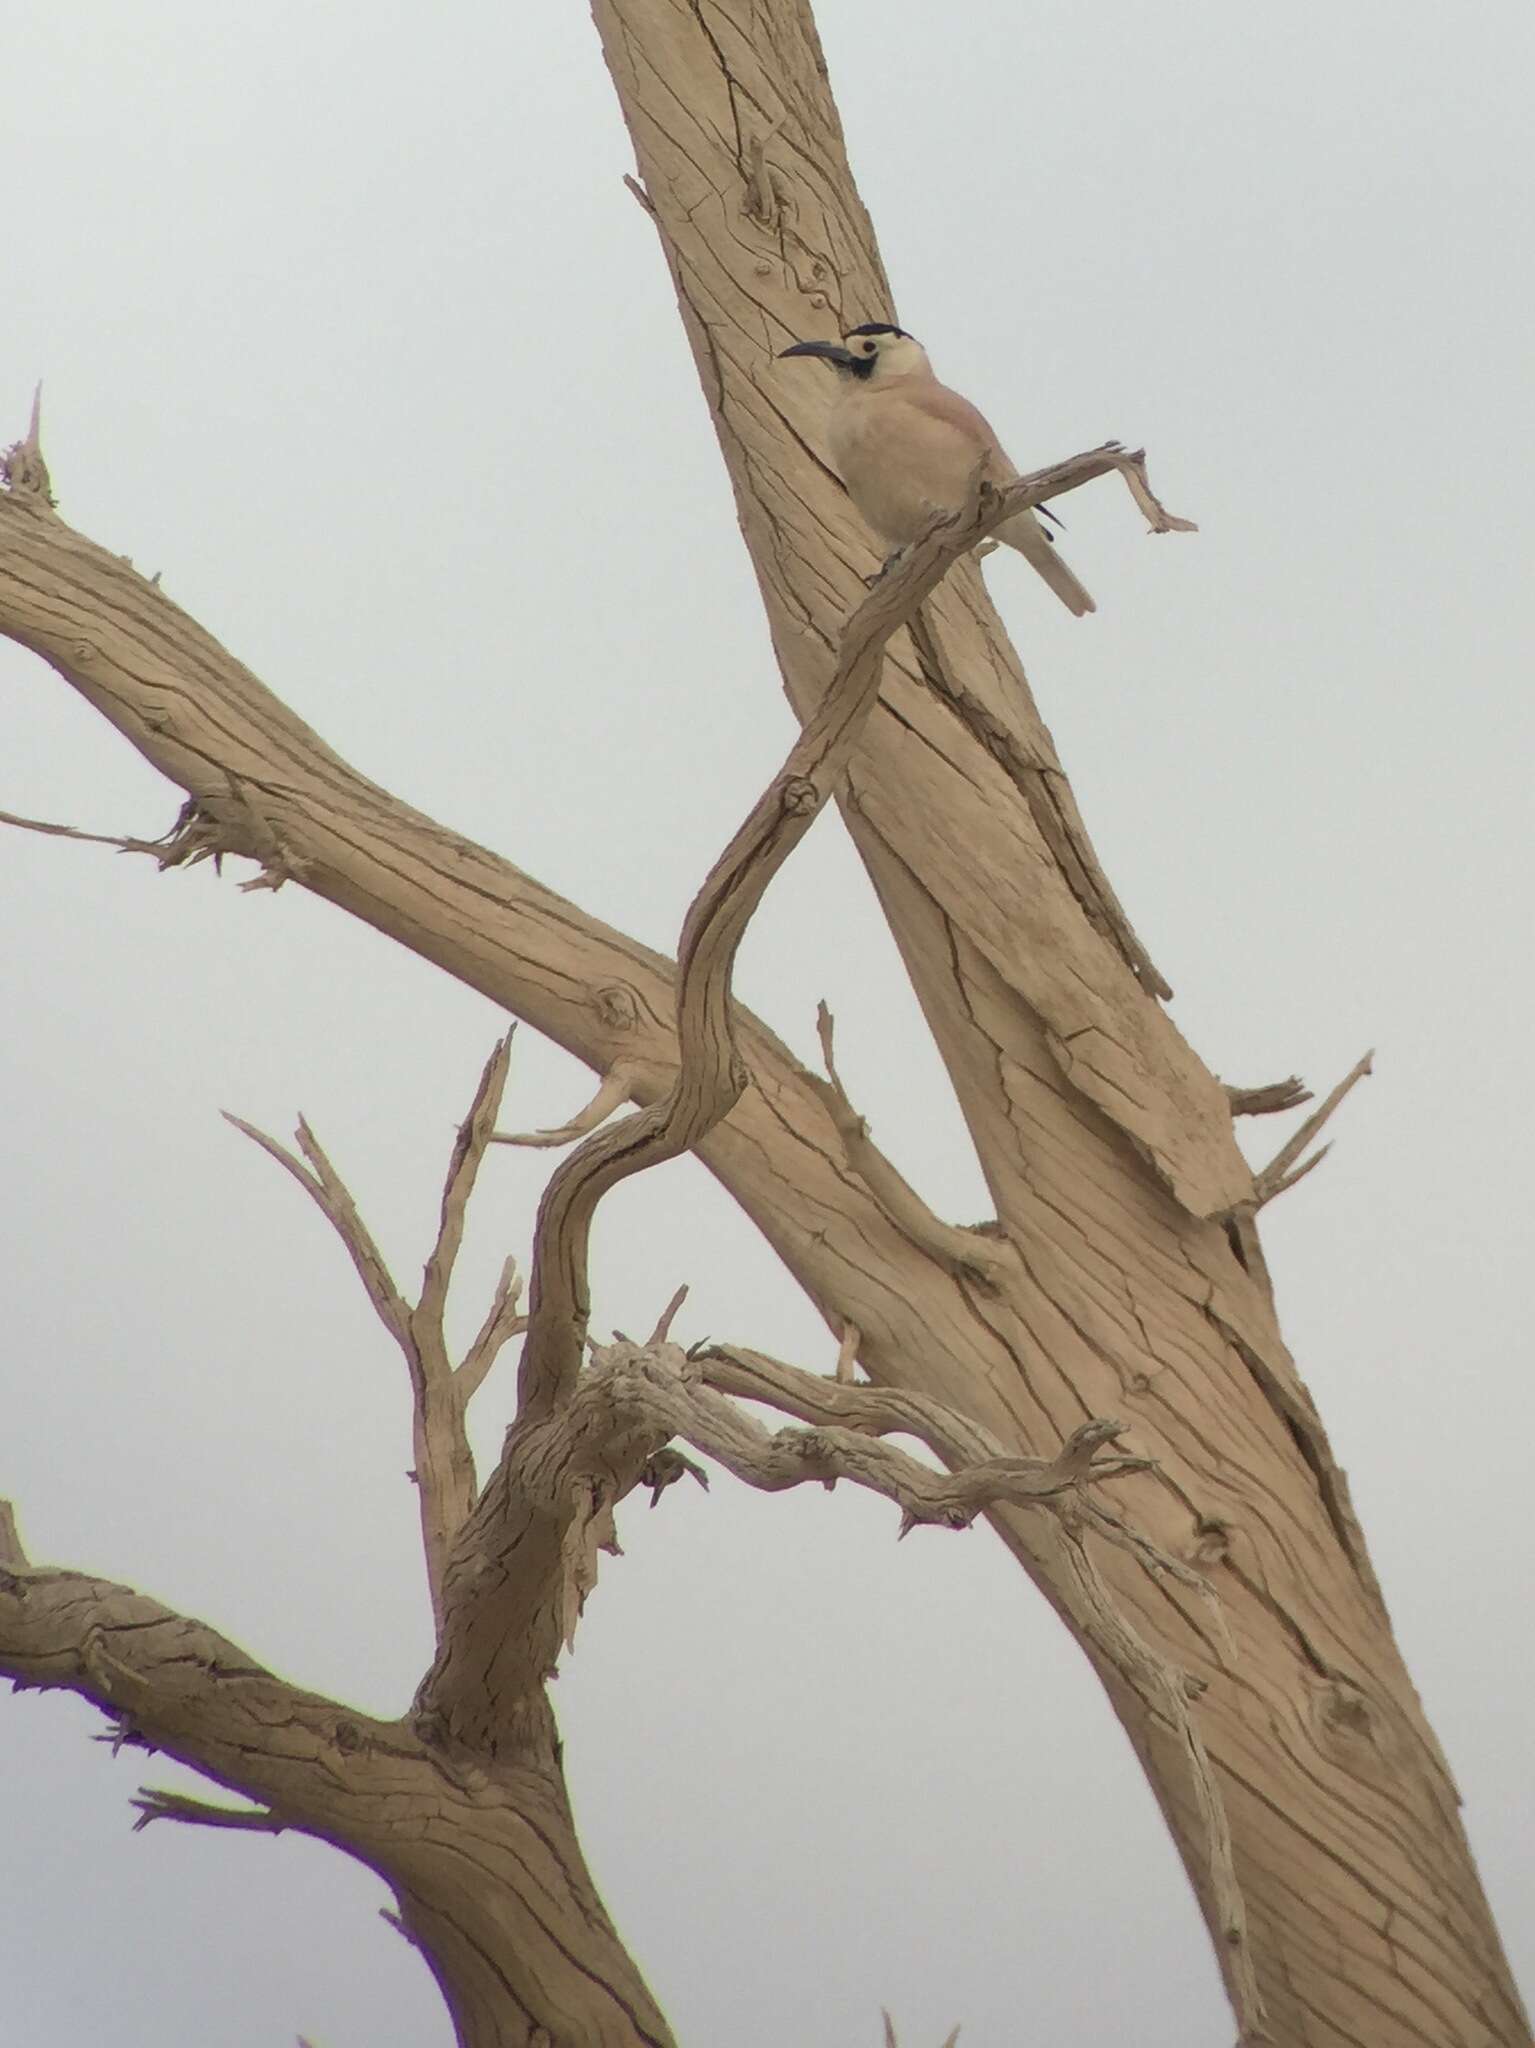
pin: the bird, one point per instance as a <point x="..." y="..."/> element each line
<point x="908" y="447"/>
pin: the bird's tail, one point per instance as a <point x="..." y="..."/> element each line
<point x="1032" y="542"/>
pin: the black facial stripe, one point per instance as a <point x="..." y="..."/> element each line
<point x="876" y="327"/>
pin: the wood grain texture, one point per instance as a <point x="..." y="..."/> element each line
<point x="1121" y="1275"/>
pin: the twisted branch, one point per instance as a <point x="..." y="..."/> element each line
<point x="711" y="1074"/>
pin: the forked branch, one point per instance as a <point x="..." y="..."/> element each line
<point x="634" y="1400"/>
<point x="440" y="1393"/>
<point x="156" y="1804"/>
<point x="1281" y="1171"/>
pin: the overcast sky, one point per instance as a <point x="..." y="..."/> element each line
<point x="350" y="330"/>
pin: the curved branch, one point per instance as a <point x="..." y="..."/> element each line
<point x="776" y="1460"/>
<point x="618" y="1086"/>
<point x="837" y="1403"/>
<point x="711" y="1074"/>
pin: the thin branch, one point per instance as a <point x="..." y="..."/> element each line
<point x="150" y="846"/>
<point x="813" y="1398"/>
<point x="958" y="1440"/>
<point x="393" y="1919"/>
<point x="826" y="1032"/>
<point x="155" y="1804"/>
<point x="674" y="1394"/>
<point x="1287" y="1094"/>
<point x="474" y="1135"/>
<point x="617" y="1088"/>
<point x="22" y="468"/>
<point x="502" y="1322"/>
<point x="13" y="1556"/>
<point x="329" y="1193"/>
<point x="663" y="1328"/>
<point x="956" y="1250"/>
<point x="847" y="1353"/>
<point x="712" y="1074"/>
<point x="891" y="2042"/>
<point x="777" y="1461"/>
<point x="1133" y="469"/>
<point x="1276" y="1176"/>
<point x="993" y="507"/>
<point x="1288" y="1180"/>
<point x="566" y="1473"/>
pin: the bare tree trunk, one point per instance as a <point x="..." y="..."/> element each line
<point x="1121" y="1275"/>
<point x="1132" y="1280"/>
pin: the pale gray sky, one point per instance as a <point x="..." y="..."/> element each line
<point x="350" y="329"/>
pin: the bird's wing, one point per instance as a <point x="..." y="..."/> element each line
<point x="940" y="403"/>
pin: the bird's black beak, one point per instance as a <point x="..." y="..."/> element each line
<point x="831" y="351"/>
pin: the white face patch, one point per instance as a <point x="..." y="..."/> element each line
<point x="884" y="355"/>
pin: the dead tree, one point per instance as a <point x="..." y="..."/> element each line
<point x="1224" y="1596"/>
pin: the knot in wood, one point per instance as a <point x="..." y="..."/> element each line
<point x="617" y="1006"/>
<point x="800" y="796"/>
<point x="1352" y="1724"/>
<point x="1212" y="1543"/>
<point x="809" y="1445"/>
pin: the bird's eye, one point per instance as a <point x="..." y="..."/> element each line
<point x="868" y="348"/>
